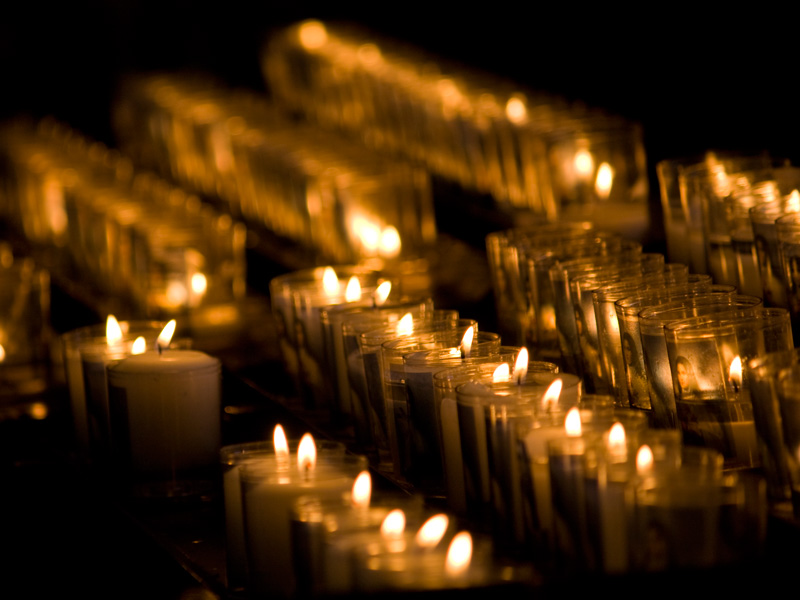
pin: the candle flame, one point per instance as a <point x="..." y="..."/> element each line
<point x="165" y="337"/>
<point x="551" y="396"/>
<point x="572" y="423"/>
<point x="352" y="292"/>
<point x="792" y="202"/>
<point x="459" y="554"/>
<point x="362" y="490"/>
<point x="736" y="373"/>
<point x="501" y="374"/>
<point x="2" y="353"/>
<point x="584" y="163"/>
<point x="390" y="244"/>
<point x="393" y="525"/>
<point x="306" y="454"/>
<point x="521" y="365"/>
<point x="330" y="282"/>
<point x="644" y="460"/>
<point x="432" y="531"/>
<point x="313" y="35"/>
<point x="604" y="181"/>
<point x="466" y="342"/>
<point x="516" y="111"/>
<point x="616" y="439"/>
<point x="113" y="331"/>
<point x="279" y="441"/>
<point x="382" y="293"/>
<point x="405" y="326"/>
<point x="139" y="345"/>
<point x="199" y="284"/>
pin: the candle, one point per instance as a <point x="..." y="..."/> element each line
<point x="232" y="458"/>
<point x="165" y="412"/>
<point x="269" y="491"/>
<point x="90" y="415"/>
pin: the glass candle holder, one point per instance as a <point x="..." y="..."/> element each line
<point x="708" y="359"/>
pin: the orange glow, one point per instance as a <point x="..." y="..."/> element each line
<point x="459" y="554"/>
<point x="199" y="284"/>
<point x="432" y="531"/>
<point x="604" y="181"/>
<point x="139" y="345"/>
<point x="501" y="374"/>
<point x="644" y="460"/>
<point x="390" y="244"/>
<point x="2" y="353"/>
<point x="466" y="342"/>
<point x="330" y="282"/>
<point x="165" y="337"/>
<point x="584" y="164"/>
<point x="521" y="365"/>
<point x="616" y="442"/>
<point x="352" y="292"/>
<point x="736" y="373"/>
<point x="516" y="111"/>
<point x="382" y="293"/>
<point x="362" y="490"/>
<point x="313" y="35"/>
<point x="113" y="331"/>
<point x="572" y="424"/>
<point x="405" y="326"/>
<point x="551" y="396"/>
<point x="306" y="454"/>
<point x="394" y="524"/>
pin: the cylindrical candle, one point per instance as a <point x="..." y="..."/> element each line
<point x="166" y="412"/>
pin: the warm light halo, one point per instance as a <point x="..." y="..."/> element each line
<point x="572" y="422"/>
<point x="113" y="331"/>
<point x="362" y="490"/>
<point x="306" y="454"/>
<point x="459" y="554"/>
<point x="432" y="531"/>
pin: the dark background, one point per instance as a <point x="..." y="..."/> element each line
<point x="696" y="78"/>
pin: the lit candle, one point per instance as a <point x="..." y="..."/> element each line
<point x="269" y="493"/>
<point x="166" y="417"/>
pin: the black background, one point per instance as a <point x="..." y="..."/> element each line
<point x="697" y="77"/>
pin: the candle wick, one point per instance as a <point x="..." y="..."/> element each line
<point x="159" y="348"/>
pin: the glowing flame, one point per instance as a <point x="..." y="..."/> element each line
<point x="405" y="326"/>
<point x="369" y="234"/>
<point x="38" y="411"/>
<point x="792" y="202"/>
<point x="313" y="35"/>
<point x="616" y="442"/>
<point x="382" y="293"/>
<point x="113" y="331"/>
<point x="352" y="292"/>
<point x="280" y="444"/>
<point x="604" y="181"/>
<point x="644" y="460"/>
<point x="466" y="342"/>
<point x="521" y="365"/>
<point x="393" y="525"/>
<point x="551" y="396"/>
<point x="330" y="282"/>
<point x="584" y="164"/>
<point x="139" y="345"/>
<point x="390" y="244"/>
<point x="736" y="373"/>
<point x="432" y="531"/>
<point x="516" y="111"/>
<point x="165" y="337"/>
<point x="572" y="424"/>
<point x="362" y="490"/>
<point x="2" y="353"/>
<point x="501" y="374"/>
<point x="306" y="454"/>
<point x="199" y="284"/>
<point x="459" y="554"/>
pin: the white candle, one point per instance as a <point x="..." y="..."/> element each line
<point x="166" y="409"/>
<point x="269" y="494"/>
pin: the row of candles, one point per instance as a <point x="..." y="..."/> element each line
<point x="528" y="150"/>
<point x="735" y="216"/>
<point x="330" y="195"/>
<point x="123" y="233"/>
<point x="440" y="417"/>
